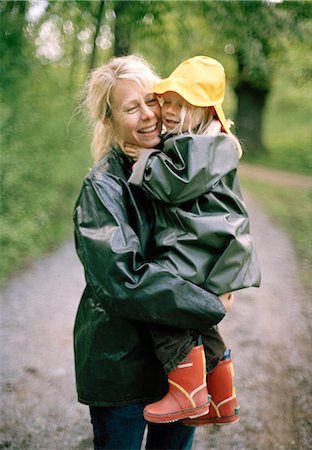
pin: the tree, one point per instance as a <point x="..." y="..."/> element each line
<point x="253" y="31"/>
<point x="97" y="32"/>
<point x="133" y="19"/>
<point x="13" y="59"/>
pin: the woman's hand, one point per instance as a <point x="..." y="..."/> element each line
<point x="227" y="300"/>
<point x="133" y="151"/>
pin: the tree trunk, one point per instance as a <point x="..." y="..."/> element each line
<point x="249" y="116"/>
<point x="15" y="65"/>
<point x="122" y="28"/>
<point x="96" y="33"/>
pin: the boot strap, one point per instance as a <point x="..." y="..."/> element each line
<point x="190" y="395"/>
<point x="216" y="407"/>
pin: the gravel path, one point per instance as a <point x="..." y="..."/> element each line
<point x="268" y="331"/>
<point x="279" y="177"/>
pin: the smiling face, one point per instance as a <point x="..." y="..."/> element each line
<point x="176" y="110"/>
<point x="135" y="114"/>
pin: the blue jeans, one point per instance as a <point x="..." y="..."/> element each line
<point x="123" y="428"/>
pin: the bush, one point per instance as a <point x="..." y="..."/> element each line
<point x="43" y="163"/>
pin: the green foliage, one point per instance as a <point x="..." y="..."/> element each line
<point x="133" y="18"/>
<point x="13" y="49"/>
<point x="252" y="31"/>
<point x="171" y="44"/>
<point x="43" y="162"/>
<point x="253" y="42"/>
<point x="45" y="154"/>
<point x="288" y="130"/>
<point x="291" y="209"/>
<point x="287" y="122"/>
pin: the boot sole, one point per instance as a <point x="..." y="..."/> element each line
<point x="175" y="416"/>
<point x="216" y="421"/>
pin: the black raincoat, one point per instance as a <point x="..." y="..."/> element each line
<point x="114" y="355"/>
<point x="202" y="225"/>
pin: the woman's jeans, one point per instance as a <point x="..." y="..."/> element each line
<point x="122" y="428"/>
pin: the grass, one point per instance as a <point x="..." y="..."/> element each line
<point x="287" y="126"/>
<point x="288" y="137"/>
<point x="292" y="210"/>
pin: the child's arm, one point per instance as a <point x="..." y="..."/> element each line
<point x="188" y="167"/>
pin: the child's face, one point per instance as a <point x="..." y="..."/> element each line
<point x="171" y="112"/>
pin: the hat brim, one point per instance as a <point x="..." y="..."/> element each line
<point x="183" y="89"/>
<point x="220" y="114"/>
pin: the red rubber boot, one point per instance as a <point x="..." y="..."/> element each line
<point x="224" y="408"/>
<point x="188" y="394"/>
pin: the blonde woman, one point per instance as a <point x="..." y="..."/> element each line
<point x="117" y="372"/>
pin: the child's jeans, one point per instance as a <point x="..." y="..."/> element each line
<point x="173" y="344"/>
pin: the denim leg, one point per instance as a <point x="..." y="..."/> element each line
<point x="171" y="344"/>
<point x="119" y="427"/>
<point x="122" y="427"/>
<point x="169" y="436"/>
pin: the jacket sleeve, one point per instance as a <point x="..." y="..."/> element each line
<point x="123" y="283"/>
<point x="237" y="266"/>
<point x="188" y="167"/>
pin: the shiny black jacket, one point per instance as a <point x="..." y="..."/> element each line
<point x="202" y="225"/>
<point x="114" y="357"/>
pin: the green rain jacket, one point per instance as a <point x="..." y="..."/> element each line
<point x="202" y="225"/>
<point x="114" y="355"/>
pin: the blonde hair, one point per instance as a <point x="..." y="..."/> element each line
<point x="208" y="121"/>
<point x="98" y="91"/>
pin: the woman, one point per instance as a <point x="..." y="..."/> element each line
<point x="117" y="372"/>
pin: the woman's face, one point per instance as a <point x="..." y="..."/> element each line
<point x="135" y="115"/>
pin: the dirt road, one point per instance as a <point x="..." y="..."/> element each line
<point x="268" y="331"/>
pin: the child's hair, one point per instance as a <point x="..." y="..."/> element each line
<point x="97" y="95"/>
<point x="203" y="116"/>
<point x="209" y="124"/>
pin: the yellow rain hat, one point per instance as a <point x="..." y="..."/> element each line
<point x="201" y="82"/>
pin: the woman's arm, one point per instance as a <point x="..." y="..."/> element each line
<point x="188" y="167"/>
<point x="124" y="284"/>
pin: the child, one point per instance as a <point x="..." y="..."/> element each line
<point x="201" y="234"/>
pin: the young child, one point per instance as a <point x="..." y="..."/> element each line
<point x="201" y="234"/>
